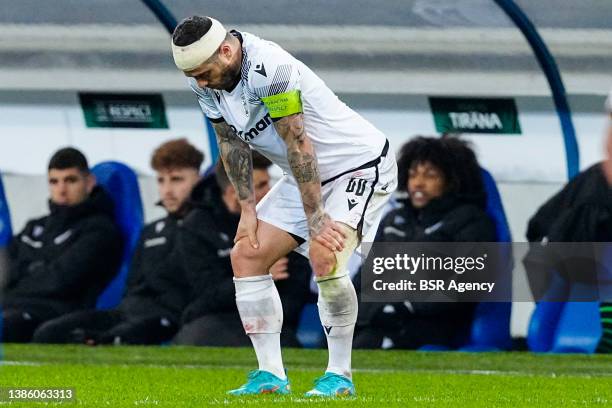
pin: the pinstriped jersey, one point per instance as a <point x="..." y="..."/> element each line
<point x="342" y="139"/>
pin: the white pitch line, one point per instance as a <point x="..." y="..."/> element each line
<point x="357" y="370"/>
<point x="20" y="363"/>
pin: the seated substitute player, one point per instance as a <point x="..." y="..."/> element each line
<point x="445" y="203"/>
<point x="582" y="212"/>
<point x="61" y="262"/>
<point x="605" y="308"/>
<point x="211" y="317"/>
<point x="149" y="313"/>
<point x="339" y="176"/>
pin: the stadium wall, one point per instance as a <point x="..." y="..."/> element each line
<point x="528" y="167"/>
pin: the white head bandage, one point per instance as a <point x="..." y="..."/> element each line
<point x="609" y="102"/>
<point x="193" y="55"/>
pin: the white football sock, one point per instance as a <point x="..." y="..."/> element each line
<point x="340" y="347"/>
<point x="338" y="312"/>
<point x="261" y="313"/>
<point x="268" y="351"/>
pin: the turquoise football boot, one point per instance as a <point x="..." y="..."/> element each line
<point x="332" y="385"/>
<point x="262" y="382"/>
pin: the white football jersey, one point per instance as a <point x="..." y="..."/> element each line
<point x="342" y="139"/>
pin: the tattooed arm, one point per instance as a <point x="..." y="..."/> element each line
<point x="238" y="163"/>
<point x="303" y="162"/>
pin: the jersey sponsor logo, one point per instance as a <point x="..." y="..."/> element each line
<point x="356" y="186"/>
<point x="260" y="69"/>
<point x="250" y="134"/>
<point x="352" y="203"/>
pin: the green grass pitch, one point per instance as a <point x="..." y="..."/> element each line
<point x="198" y="377"/>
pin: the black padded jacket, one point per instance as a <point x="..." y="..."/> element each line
<point x="62" y="262"/>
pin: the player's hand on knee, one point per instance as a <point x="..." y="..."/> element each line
<point x="328" y="233"/>
<point x="322" y="259"/>
<point x="247" y="228"/>
<point x="279" y="269"/>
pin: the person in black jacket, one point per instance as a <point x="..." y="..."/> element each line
<point x="211" y="317"/>
<point x="443" y="201"/>
<point x="605" y="307"/>
<point x="149" y="313"/>
<point x="580" y="212"/>
<point x="61" y="262"/>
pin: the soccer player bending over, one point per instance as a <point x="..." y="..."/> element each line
<point x="338" y="176"/>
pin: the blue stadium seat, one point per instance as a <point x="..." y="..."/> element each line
<point x="310" y="332"/>
<point x="6" y="231"/>
<point x="491" y="326"/>
<point x="568" y="327"/>
<point x="543" y="325"/>
<point x="490" y="329"/>
<point x="122" y="184"/>
<point x="565" y="327"/>
<point x="495" y="208"/>
<point x="578" y="329"/>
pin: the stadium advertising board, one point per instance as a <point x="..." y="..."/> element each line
<point x="475" y="115"/>
<point x="103" y="110"/>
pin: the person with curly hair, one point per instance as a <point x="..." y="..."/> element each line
<point x="444" y="201"/>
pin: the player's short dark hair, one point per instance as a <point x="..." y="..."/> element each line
<point x="191" y="30"/>
<point x="260" y="162"/>
<point x="68" y="158"/>
<point x="452" y="155"/>
<point x="176" y="154"/>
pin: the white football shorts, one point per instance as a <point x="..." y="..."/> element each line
<point x="355" y="197"/>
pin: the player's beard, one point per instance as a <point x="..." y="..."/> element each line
<point x="231" y="76"/>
